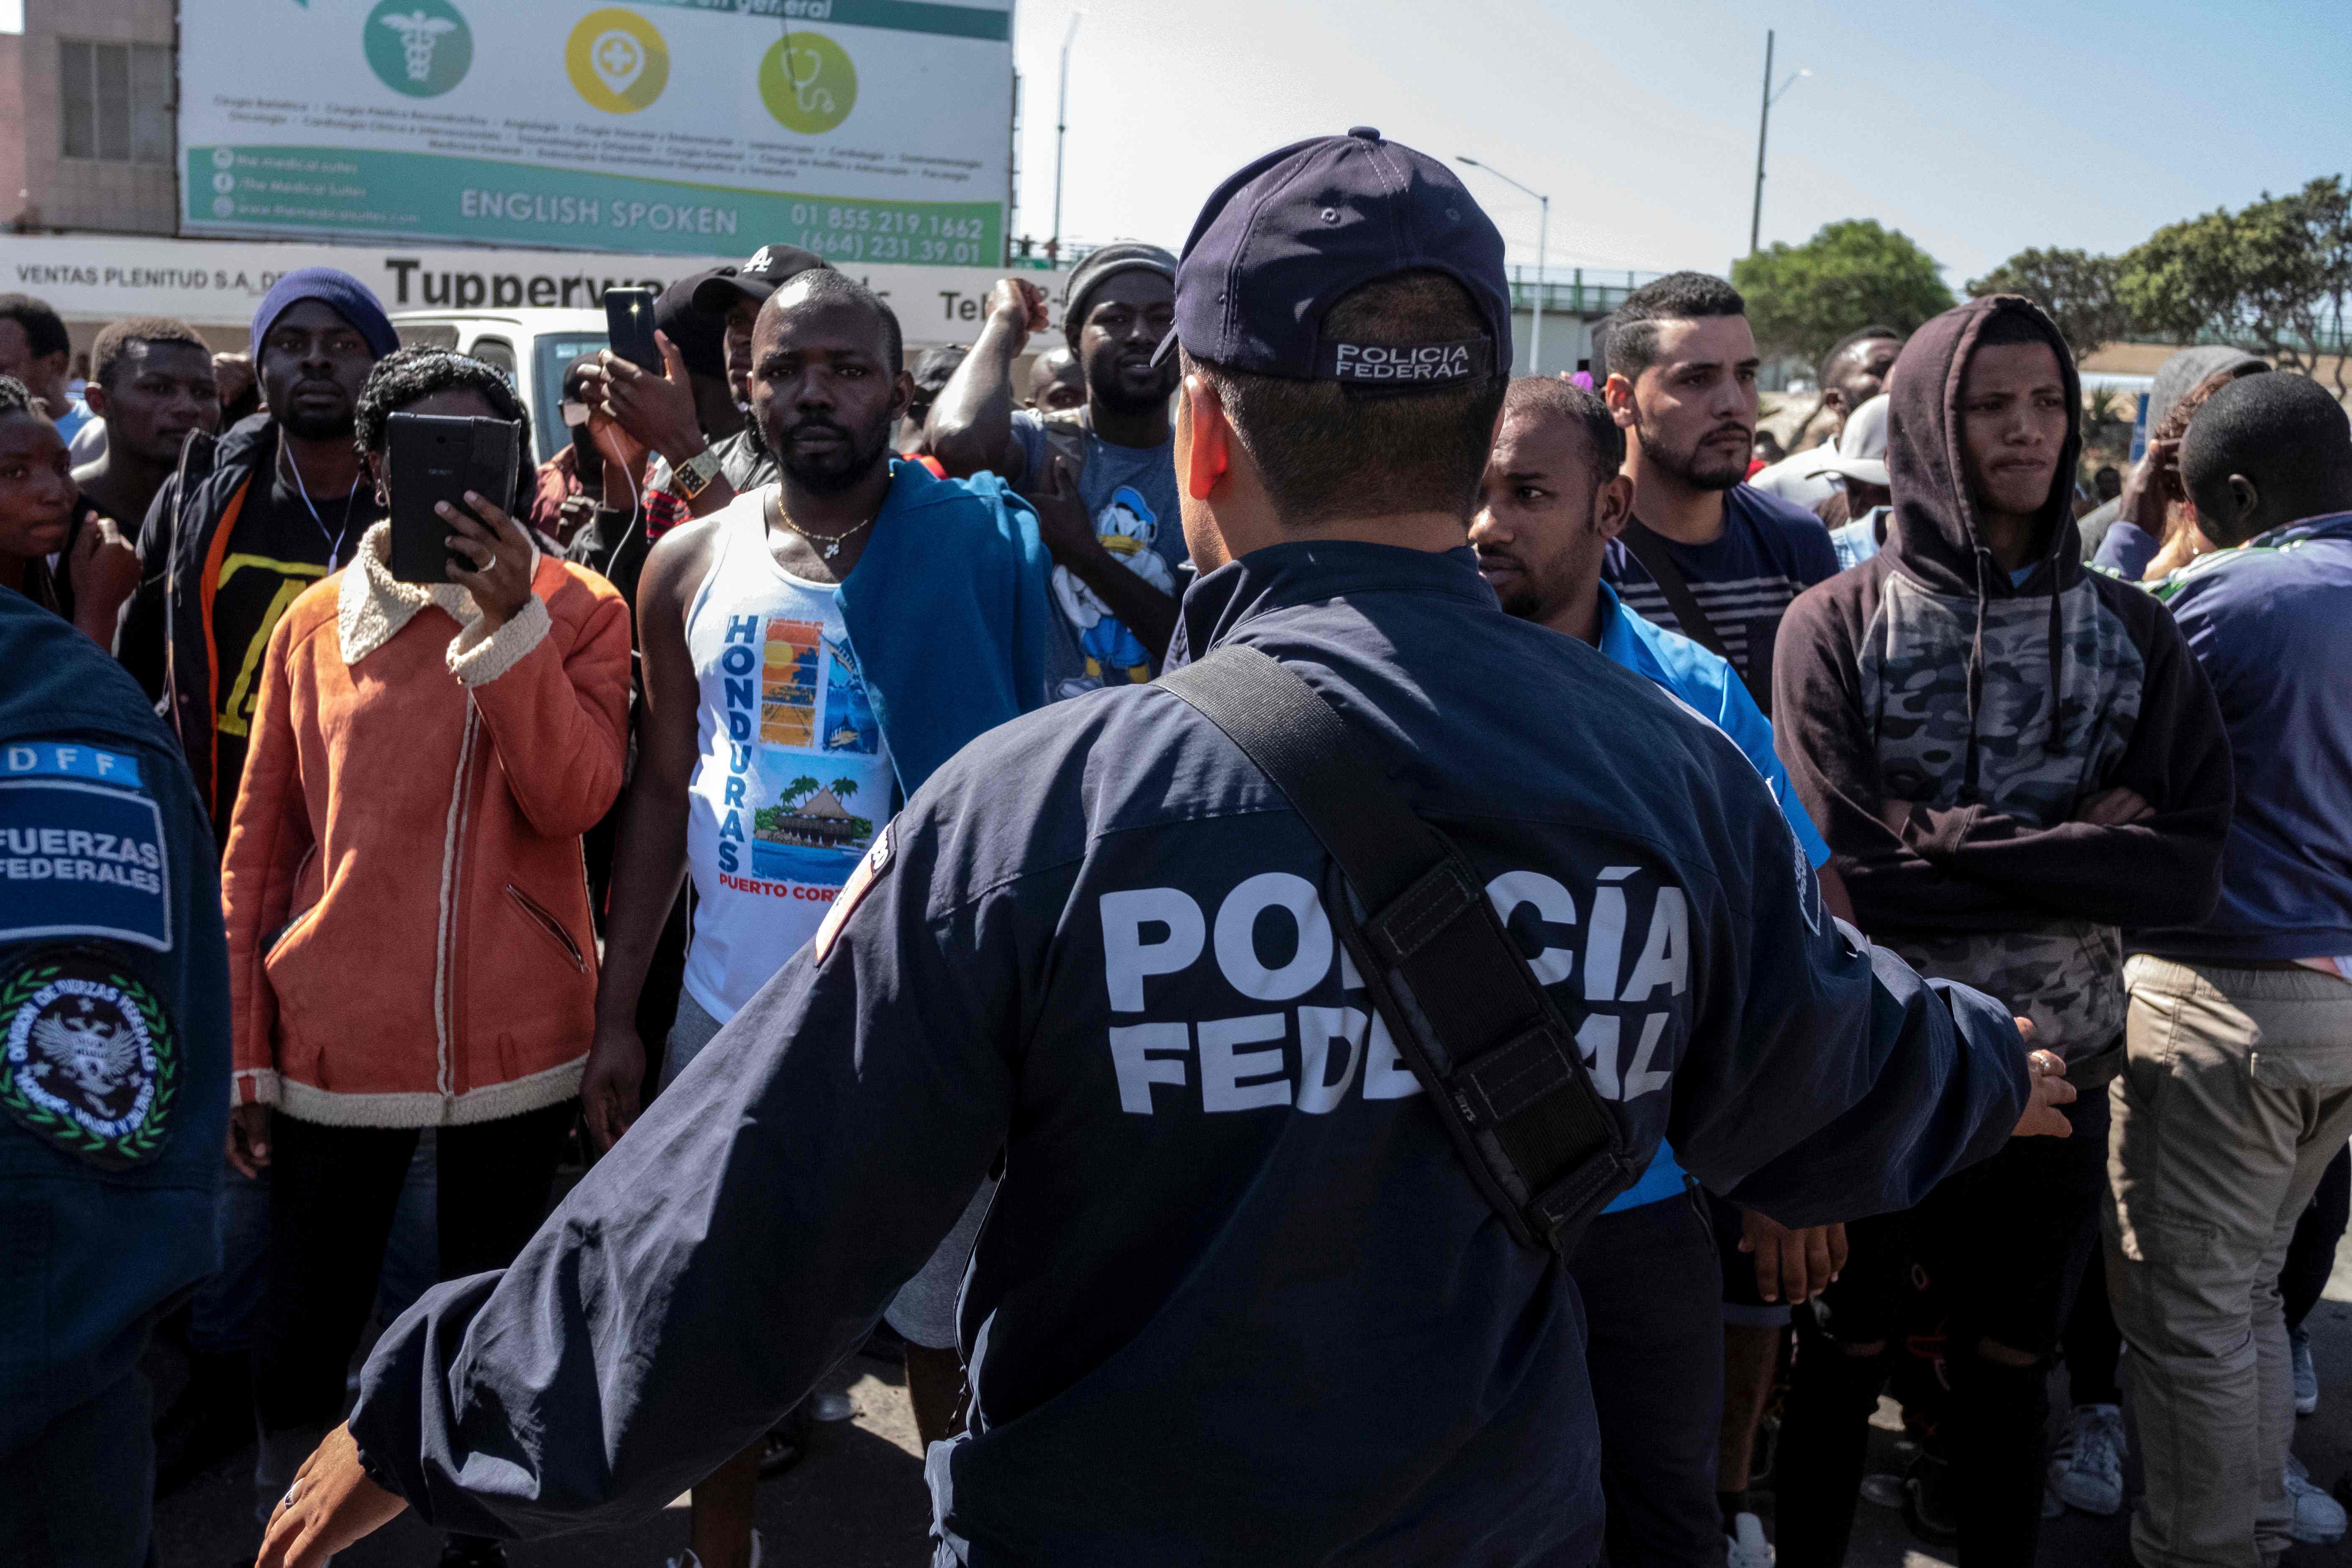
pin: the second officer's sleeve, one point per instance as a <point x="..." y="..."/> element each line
<point x="739" y="1241"/>
<point x="1826" y="1079"/>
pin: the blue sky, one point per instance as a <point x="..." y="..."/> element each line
<point x="1975" y="128"/>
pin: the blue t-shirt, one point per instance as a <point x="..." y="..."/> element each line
<point x="1706" y="684"/>
<point x="1770" y="552"/>
<point x="1130" y="492"/>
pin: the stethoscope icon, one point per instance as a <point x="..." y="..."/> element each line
<point x="807" y="96"/>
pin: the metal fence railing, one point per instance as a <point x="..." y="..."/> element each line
<point x="1576" y="290"/>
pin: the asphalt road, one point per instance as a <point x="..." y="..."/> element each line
<point x="857" y="1500"/>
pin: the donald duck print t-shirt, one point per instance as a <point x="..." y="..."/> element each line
<point x="1130" y="493"/>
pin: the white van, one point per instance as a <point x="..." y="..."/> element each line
<point x="532" y="347"/>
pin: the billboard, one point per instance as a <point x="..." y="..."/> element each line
<point x="217" y="283"/>
<point x="866" y="130"/>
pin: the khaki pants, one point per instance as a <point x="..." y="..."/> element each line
<point x="2235" y="1093"/>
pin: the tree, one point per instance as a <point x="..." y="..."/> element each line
<point x="2077" y="290"/>
<point x="796" y="791"/>
<point x="1803" y="298"/>
<point x="2276" y="277"/>
<point x="843" y="787"/>
<point x="2183" y="280"/>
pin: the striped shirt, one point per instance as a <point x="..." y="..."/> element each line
<point x="1769" y="553"/>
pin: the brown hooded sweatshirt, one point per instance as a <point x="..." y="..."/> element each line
<point x="1995" y="709"/>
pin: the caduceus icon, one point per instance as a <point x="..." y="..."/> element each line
<point x="418" y="33"/>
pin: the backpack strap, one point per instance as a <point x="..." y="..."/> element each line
<point x="1503" y="1071"/>
<point x="1658" y="560"/>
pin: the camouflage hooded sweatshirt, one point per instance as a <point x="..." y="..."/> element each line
<point x="1945" y="725"/>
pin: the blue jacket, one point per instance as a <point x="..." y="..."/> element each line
<point x="114" y="1008"/>
<point x="1237" y="1300"/>
<point x="1712" y="689"/>
<point x="2270" y="627"/>
<point x="1707" y="682"/>
<point x="902" y="608"/>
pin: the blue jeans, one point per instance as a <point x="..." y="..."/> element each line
<point x="220" y="1318"/>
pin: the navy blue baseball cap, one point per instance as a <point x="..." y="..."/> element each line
<point x="1282" y="239"/>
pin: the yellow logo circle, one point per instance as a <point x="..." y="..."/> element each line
<point x="807" y="82"/>
<point x="616" y="61"/>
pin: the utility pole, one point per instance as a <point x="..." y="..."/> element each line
<point x="1543" y="239"/>
<point x="1061" y="134"/>
<point x="1763" y="125"/>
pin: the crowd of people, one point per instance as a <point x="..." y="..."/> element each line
<point x="779" y="805"/>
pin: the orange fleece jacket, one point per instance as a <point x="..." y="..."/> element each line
<point x="409" y="935"/>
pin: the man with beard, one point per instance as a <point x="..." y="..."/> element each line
<point x="1550" y="502"/>
<point x="248" y="523"/>
<point x="244" y="524"/>
<point x="1103" y="477"/>
<point x="1717" y="561"/>
<point x="698" y="450"/>
<point x="1703" y="554"/>
<point x="812" y="652"/>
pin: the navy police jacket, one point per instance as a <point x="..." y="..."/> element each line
<point x="114" y="1038"/>
<point x="1236" y="1301"/>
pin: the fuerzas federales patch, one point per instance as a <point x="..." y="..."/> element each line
<point x="81" y="846"/>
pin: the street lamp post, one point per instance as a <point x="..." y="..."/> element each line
<point x="1764" y="124"/>
<point x="1061" y="134"/>
<point x="1543" y="236"/>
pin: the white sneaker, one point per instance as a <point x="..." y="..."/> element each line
<point x="2087" y="1471"/>
<point x="2307" y="1375"/>
<point x="1746" y="1546"/>
<point x="2318" y="1519"/>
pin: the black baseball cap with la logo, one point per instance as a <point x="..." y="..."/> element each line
<point x="769" y="270"/>
<point x="1284" y="238"/>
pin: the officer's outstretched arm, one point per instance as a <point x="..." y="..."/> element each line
<point x="742" y="1237"/>
<point x="1826" y="1081"/>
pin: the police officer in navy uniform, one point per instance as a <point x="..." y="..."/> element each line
<point x="114" y="1053"/>
<point x="1238" y="1299"/>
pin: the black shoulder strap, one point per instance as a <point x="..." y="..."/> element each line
<point x="1500" y="1065"/>
<point x="1652" y="553"/>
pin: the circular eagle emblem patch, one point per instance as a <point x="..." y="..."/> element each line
<point x="87" y="1061"/>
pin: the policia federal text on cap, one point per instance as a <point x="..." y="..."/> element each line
<point x="1238" y="1299"/>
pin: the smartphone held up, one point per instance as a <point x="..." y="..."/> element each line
<point x="435" y="458"/>
<point x="629" y="323"/>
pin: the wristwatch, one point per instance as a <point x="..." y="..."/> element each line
<point x="694" y="475"/>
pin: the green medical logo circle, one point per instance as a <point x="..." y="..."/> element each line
<point x="807" y="82"/>
<point x="421" y="48"/>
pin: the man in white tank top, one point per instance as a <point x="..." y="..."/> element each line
<point x="765" y="768"/>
